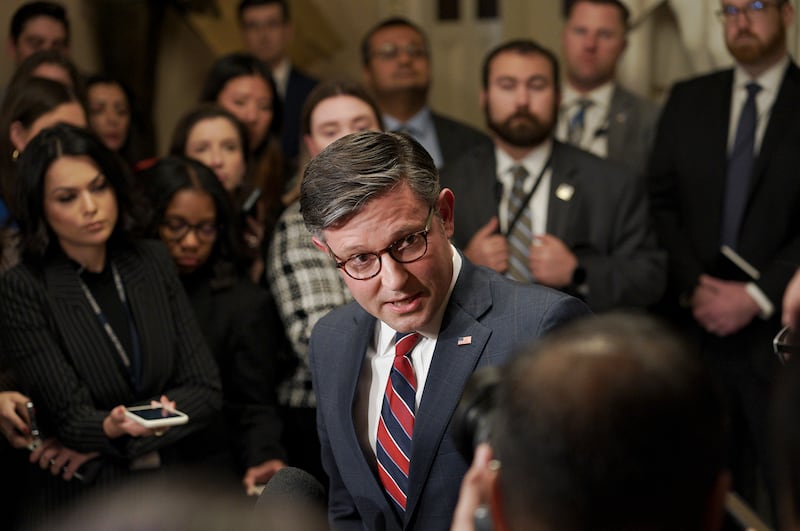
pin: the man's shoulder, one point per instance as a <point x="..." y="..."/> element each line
<point x="626" y="98"/>
<point x="449" y="126"/>
<point x="583" y="164"/>
<point x="301" y="79"/>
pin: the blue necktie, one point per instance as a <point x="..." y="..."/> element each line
<point x="577" y="123"/>
<point x="740" y="168"/>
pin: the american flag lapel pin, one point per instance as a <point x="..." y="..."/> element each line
<point x="464" y="340"/>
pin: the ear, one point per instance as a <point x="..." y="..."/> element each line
<point x="18" y="135"/>
<point x="445" y="204"/>
<point x="320" y="245"/>
<point x="310" y="146"/>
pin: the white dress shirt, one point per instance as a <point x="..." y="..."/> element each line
<point x="596" y="118"/>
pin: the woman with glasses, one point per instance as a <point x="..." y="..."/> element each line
<point x="215" y="137"/>
<point x="94" y="320"/>
<point x="191" y="214"/>
<point x="305" y="282"/>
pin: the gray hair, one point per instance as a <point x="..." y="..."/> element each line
<point x="361" y="167"/>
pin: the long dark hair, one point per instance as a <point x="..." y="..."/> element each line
<point x="37" y="240"/>
<point x="236" y="65"/>
<point x="130" y="151"/>
<point x="25" y="103"/>
<point x="170" y="175"/>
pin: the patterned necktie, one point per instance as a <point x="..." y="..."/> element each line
<point x="520" y="237"/>
<point x="740" y="166"/>
<point x="576" y="124"/>
<point x="396" y="425"/>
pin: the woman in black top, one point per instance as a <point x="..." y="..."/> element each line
<point x="192" y="215"/>
<point x="93" y="320"/>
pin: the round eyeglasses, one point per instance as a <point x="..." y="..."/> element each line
<point x="409" y="248"/>
<point x="177" y="228"/>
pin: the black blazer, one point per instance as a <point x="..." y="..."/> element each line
<point x="66" y="363"/>
<point x="297" y="89"/>
<point x="456" y="138"/>
<point x="604" y="220"/>
<point x="687" y="177"/>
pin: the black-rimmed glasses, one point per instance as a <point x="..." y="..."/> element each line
<point x="177" y="228"/>
<point x="786" y="344"/>
<point x="409" y="248"/>
<point x="730" y="13"/>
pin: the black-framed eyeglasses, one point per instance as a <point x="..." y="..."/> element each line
<point x="176" y="229"/>
<point x="390" y="50"/>
<point x="786" y="344"/>
<point x="730" y="13"/>
<point x="409" y="248"/>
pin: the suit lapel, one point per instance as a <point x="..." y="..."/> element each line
<point x="69" y="307"/>
<point x="618" y="115"/>
<point x="563" y="189"/>
<point x="782" y="115"/>
<point x="451" y="367"/>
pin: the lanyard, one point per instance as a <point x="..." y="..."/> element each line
<point x="529" y="195"/>
<point x="134" y="370"/>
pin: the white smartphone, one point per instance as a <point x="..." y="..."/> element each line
<point x="156" y="416"/>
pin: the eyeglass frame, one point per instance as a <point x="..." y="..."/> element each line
<point x="390" y="51"/>
<point x="785" y="344"/>
<point x="192" y="227"/>
<point x="731" y="13"/>
<point x="340" y="264"/>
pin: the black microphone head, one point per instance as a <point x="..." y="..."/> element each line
<point x="293" y="499"/>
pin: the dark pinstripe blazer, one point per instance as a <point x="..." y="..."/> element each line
<point x="64" y="360"/>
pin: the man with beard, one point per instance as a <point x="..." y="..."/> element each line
<point x="723" y="178"/>
<point x="397" y="69"/>
<point x="546" y="212"/>
<point x="596" y="113"/>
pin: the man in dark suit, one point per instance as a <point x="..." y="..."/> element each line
<point x="596" y="113"/>
<point x="569" y="219"/>
<point x="372" y="202"/>
<point x="724" y="173"/>
<point x="267" y="31"/>
<point x="397" y="69"/>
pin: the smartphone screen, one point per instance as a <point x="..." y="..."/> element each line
<point x="154" y="413"/>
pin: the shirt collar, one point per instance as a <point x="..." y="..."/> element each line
<point x="419" y="123"/>
<point x="601" y="96"/>
<point x="280" y="74"/>
<point x="534" y="161"/>
<point x="770" y="80"/>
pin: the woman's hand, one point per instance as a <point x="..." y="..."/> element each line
<point x="14" y="419"/>
<point x="117" y="424"/>
<point x="59" y="459"/>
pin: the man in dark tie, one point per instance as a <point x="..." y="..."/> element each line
<point x="597" y="113"/>
<point x="547" y="212"/>
<point x="724" y="184"/>
<point x="397" y="69"/>
<point x="389" y="368"/>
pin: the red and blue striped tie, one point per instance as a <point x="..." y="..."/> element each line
<point x="396" y="425"/>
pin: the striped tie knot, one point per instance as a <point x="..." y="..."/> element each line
<point x="396" y="424"/>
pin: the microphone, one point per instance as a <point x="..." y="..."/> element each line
<point x="293" y="499"/>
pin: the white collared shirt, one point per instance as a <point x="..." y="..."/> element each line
<point x="422" y="129"/>
<point x="596" y="120"/>
<point x="534" y="162"/>
<point x="378" y="362"/>
<point x="770" y="82"/>
<point x="281" y="77"/>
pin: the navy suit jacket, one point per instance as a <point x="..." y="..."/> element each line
<point x="499" y="315"/>
<point x="297" y="89"/>
<point x="456" y="138"/>
<point x="604" y="220"/>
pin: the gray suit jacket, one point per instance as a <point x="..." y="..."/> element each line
<point x="632" y="122"/>
<point x="605" y="222"/>
<point x="499" y="315"/>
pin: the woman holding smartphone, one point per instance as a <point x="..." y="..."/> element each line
<point x="191" y="214"/>
<point x="94" y="320"/>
